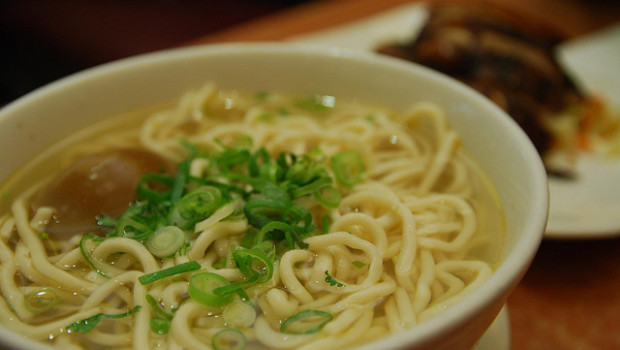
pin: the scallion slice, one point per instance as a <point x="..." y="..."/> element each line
<point x="239" y="314"/>
<point x="253" y="262"/>
<point x="359" y="264"/>
<point x="275" y="227"/>
<point x="348" y="167"/>
<point x="157" y="309"/>
<point x="228" y="339"/>
<point x="86" y="247"/>
<point x="165" y="241"/>
<point x="326" y="222"/>
<point x="160" y="325"/>
<point x="306" y="322"/>
<point x="145" y="191"/>
<point x="262" y="210"/>
<point x="174" y="270"/>
<point x="312" y="187"/>
<point x="129" y="227"/>
<point x="201" y="288"/>
<point x="42" y="300"/>
<point x="328" y="196"/>
<point x="87" y="324"/>
<point x="179" y="182"/>
<point x="195" y="206"/>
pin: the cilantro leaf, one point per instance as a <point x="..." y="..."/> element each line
<point x="332" y="281"/>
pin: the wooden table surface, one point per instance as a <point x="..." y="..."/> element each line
<point x="570" y="297"/>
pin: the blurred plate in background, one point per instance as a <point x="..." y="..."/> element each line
<point x="586" y="207"/>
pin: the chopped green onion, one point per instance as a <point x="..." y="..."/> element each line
<point x="86" y="248"/>
<point x="270" y="190"/>
<point x="302" y="171"/>
<point x="239" y="314"/>
<point x="195" y="206"/>
<point x="106" y="221"/>
<point x="253" y="262"/>
<point x="179" y="182"/>
<point x="273" y="227"/>
<point x="183" y="250"/>
<point x="315" y="154"/>
<point x="254" y="166"/>
<point x="295" y="214"/>
<point x="42" y="300"/>
<point x="160" y="325"/>
<point x="165" y="241"/>
<point x="243" y="295"/>
<point x="236" y="287"/>
<point x="359" y="264"/>
<point x="228" y="339"/>
<point x="312" y="187"/>
<point x="144" y="190"/>
<point x="262" y="210"/>
<point x="326" y="222"/>
<point x="201" y="288"/>
<point x="348" y="167"/>
<point x="137" y="222"/>
<point x="87" y="324"/>
<point x="174" y="270"/>
<point x="306" y="322"/>
<point x="168" y="207"/>
<point x="229" y="158"/>
<point x="328" y="197"/>
<point x="192" y="150"/>
<point x="220" y="263"/>
<point x="157" y="309"/>
<point x="130" y="227"/>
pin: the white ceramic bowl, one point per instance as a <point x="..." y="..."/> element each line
<point x="45" y="116"/>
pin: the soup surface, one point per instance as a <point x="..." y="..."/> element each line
<point x="245" y="220"/>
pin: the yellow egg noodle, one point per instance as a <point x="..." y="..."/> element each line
<point x="419" y="232"/>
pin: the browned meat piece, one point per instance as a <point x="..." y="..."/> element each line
<point x="103" y="183"/>
<point x="505" y="58"/>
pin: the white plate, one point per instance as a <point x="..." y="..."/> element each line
<point x="585" y="208"/>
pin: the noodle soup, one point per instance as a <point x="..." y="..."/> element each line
<point x="236" y="219"/>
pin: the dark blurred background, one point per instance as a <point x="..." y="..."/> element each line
<point x="44" y="40"/>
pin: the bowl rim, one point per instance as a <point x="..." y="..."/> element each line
<point x="506" y="275"/>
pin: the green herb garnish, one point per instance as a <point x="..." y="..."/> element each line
<point x="171" y="271"/>
<point x="168" y="207"/>
<point x="87" y="324"/>
<point x="159" y="325"/>
<point x="42" y="300"/>
<point x="348" y="167"/>
<point x="87" y="245"/>
<point x="202" y="288"/>
<point x="359" y="264"/>
<point x="228" y="339"/>
<point x="157" y="309"/>
<point x="332" y="281"/>
<point x="306" y="322"/>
